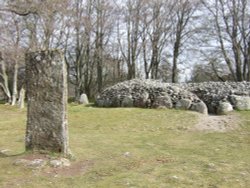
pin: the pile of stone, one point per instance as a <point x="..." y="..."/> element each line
<point x="221" y="97"/>
<point x="150" y="94"/>
<point x="43" y="162"/>
<point x="213" y="97"/>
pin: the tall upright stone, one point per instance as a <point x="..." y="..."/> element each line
<point x="46" y="83"/>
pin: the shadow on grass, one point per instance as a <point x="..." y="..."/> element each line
<point x="5" y="155"/>
<point x="2" y="102"/>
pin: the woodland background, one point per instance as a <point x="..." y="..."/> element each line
<point x="108" y="41"/>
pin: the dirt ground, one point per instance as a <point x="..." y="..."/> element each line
<point x="222" y="123"/>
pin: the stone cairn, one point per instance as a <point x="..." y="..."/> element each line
<point x="221" y="97"/>
<point x="213" y="97"/>
<point x="46" y="83"/>
<point x="149" y="94"/>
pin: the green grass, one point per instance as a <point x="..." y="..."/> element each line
<point x="133" y="147"/>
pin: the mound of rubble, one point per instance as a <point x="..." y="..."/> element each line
<point x="221" y="96"/>
<point x="149" y="94"/>
<point x="213" y="97"/>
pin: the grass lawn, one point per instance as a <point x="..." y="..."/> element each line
<point x="132" y="147"/>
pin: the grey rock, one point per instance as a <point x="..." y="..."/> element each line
<point x="83" y="99"/>
<point x="141" y="100"/>
<point x="37" y="163"/>
<point x="46" y="84"/>
<point x="213" y="93"/>
<point x="21" y="162"/>
<point x="240" y="102"/>
<point x="55" y="163"/>
<point x="115" y="101"/>
<point x="65" y="162"/>
<point x="59" y="163"/>
<point x="4" y="151"/>
<point x="127" y="154"/>
<point x="100" y="102"/>
<point x="162" y="102"/>
<point x="183" y="104"/>
<point x="127" y="101"/>
<point x="224" y="108"/>
<point x="199" y="107"/>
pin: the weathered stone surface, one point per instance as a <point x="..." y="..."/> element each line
<point x="127" y="101"/>
<point x="213" y="93"/>
<point x="40" y="163"/>
<point x="35" y="163"/>
<point x="162" y="102"/>
<point x="224" y="108"/>
<point x="199" y="107"/>
<point x="240" y="102"/>
<point x="141" y="100"/>
<point x="21" y="162"/>
<point x="46" y="83"/>
<point x="217" y="96"/>
<point x="4" y="151"/>
<point x="146" y="94"/>
<point x="83" y="99"/>
<point x="183" y="104"/>
<point x="59" y="163"/>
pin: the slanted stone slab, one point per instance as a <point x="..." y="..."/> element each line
<point x="46" y="83"/>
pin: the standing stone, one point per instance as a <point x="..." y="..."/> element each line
<point x="83" y="99"/>
<point x="46" y="83"/>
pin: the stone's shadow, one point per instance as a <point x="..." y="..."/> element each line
<point x="5" y="155"/>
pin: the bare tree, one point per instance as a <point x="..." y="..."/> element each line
<point x="86" y="50"/>
<point x="155" y="33"/>
<point x="4" y="79"/>
<point x="103" y="27"/>
<point x="80" y="45"/>
<point x="129" y="44"/>
<point x="231" y="20"/>
<point x="12" y="56"/>
<point x="184" y="11"/>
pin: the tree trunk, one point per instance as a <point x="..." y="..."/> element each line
<point x="21" y="98"/>
<point x="99" y="44"/>
<point x="77" y="92"/>
<point x="14" y="92"/>
<point x="248" y="60"/>
<point x="175" y="57"/>
<point x="99" y="75"/>
<point x="237" y="58"/>
<point x="5" y="84"/>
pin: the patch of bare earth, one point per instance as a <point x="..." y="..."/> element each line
<point x="75" y="169"/>
<point x="217" y="123"/>
<point x="33" y="161"/>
